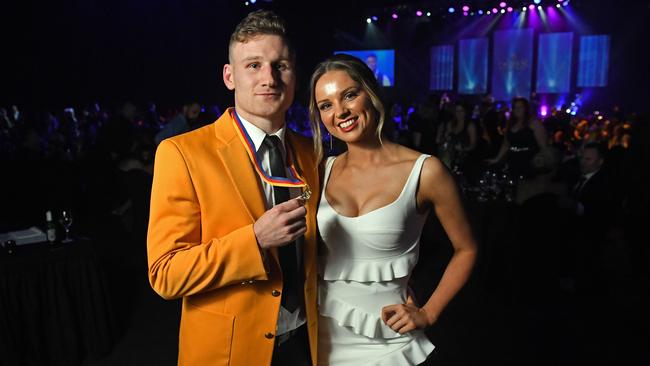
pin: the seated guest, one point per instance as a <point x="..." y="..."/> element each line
<point x="183" y="122"/>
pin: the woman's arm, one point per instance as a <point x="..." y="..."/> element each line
<point x="438" y="190"/>
<point x="540" y="133"/>
<point x="471" y="131"/>
<point x="505" y="145"/>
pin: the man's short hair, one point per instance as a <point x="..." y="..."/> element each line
<point x="258" y="23"/>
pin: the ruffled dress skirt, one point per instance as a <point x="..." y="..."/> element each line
<point x="351" y="331"/>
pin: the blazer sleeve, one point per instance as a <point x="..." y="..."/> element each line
<point x="180" y="263"/>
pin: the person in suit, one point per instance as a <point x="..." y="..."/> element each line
<point x="229" y="231"/>
<point x="593" y="191"/>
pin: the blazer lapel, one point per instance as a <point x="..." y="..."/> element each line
<point x="239" y="167"/>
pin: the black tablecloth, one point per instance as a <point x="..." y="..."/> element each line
<point x="54" y="306"/>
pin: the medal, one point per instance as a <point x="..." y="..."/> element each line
<point x="294" y="180"/>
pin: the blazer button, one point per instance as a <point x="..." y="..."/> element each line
<point x="275" y="293"/>
<point x="269" y="335"/>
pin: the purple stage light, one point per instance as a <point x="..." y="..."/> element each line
<point x="464" y="13"/>
<point x="394" y="16"/>
<point x="531" y="7"/>
<point x="509" y="10"/>
<point x="543" y="111"/>
<point x="502" y="4"/>
<point x="494" y="10"/>
<point x="465" y="8"/>
<point x="418" y="13"/>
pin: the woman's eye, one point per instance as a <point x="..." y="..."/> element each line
<point x="324" y="106"/>
<point x="350" y="95"/>
<point x="282" y="67"/>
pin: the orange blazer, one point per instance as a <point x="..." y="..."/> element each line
<point x="201" y="246"/>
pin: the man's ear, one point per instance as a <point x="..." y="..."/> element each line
<point x="228" y="77"/>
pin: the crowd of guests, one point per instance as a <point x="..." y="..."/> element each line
<point x="98" y="162"/>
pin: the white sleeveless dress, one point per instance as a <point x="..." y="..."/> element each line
<point x="367" y="263"/>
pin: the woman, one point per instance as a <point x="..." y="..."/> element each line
<point x="375" y="200"/>
<point x="524" y="137"/>
<point x="458" y="138"/>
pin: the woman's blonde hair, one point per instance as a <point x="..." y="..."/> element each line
<point x="359" y="72"/>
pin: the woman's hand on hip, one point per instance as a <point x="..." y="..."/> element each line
<point x="403" y="318"/>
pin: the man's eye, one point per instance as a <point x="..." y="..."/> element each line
<point x="282" y="67"/>
<point x="254" y="65"/>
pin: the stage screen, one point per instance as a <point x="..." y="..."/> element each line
<point x="554" y="62"/>
<point x="512" y="63"/>
<point x="472" y="66"/>
<point x="442" y="68"/>
<point x="382" y="62"/>
<point x="593" y="61"/>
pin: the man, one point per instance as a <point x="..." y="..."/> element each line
<point x="183" y="122"/>
<point x="222" y="234"/>
<point x="593" y="191"/>
<point x="371" y="61"/>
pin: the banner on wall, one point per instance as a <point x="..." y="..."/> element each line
<point x="512" y="63"/>
<point x="554" y="62"/>
<point x="472" y="66"/>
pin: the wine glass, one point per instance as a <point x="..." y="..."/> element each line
<point x="66" y="221"/>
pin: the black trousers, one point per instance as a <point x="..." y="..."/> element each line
<point x="294" y="350"/>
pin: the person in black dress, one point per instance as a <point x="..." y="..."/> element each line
<point x="524" y="136"/>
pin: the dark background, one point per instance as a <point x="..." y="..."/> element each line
<point x="76" y="52"/>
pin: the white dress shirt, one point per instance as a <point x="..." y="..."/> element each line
<point x="287" y="321"/>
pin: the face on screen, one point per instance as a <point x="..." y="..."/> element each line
<point x="344" y="106"/>
<point x="261" y="72"/>
<point x="371" y="61"/>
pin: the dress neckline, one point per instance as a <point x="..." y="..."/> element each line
<point x="406" y="184"/>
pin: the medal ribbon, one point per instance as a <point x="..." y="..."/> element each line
<point x="293" y="180"/>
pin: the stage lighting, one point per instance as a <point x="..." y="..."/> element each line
<point x="543" y="111"/>
<point x="374" y="18"/>
<point x="503" y="11"/>
<point x="246" y="3"/>
<point x="539" y="7"/>
<point x="368" y="20"/>
<point x="428" y="13"/>
<point x="494" y="10"/>
<point x="464" y="13"/>
<point x="524" y="8"/>
<point x="557" y="6"/>
<point x="465" y="8"/>
<point x="537" y="1"/>
<point x="451" y="10"/>
<point x="394" y="16"/>
<point x="502" y="4"/>
<point x="509" y="10"/>
<point x="489" y="12"/>
<point x="253" y="1"/>
<point x="418" y="13"/>
<point x="531" y="7"/>
<point x="480" y="12"/>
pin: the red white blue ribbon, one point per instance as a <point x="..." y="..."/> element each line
<point x="293" y="180"/>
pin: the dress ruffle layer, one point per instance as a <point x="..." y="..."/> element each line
<point x="369" y="270"/>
